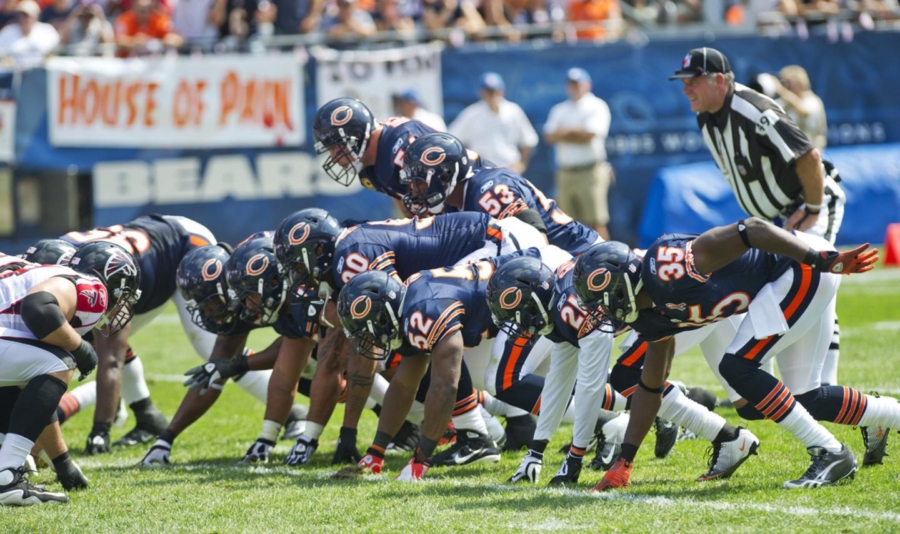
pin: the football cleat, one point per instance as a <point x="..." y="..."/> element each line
<point x="703" y="397"/>
<point x="20" y="492"/>
<point x="495" y="430"/>
<point x="666" y="436"/>
<point x="875" y="440"/>
<point x="294" y="426"/>
<point x="406" y="440"/>
<point x="150" y="423"/>
<point x="617" y="476"/>
<point x="519" y="432"/>
<point x="726" y="457"/>
<point x="471" y="447"/>
<point x="826" y="468"/>
<point x="157" y="455"/>
<point x="413" y="471"/>
<point x="530" y="468"/>
<point x="568" y="472"/>
<point x="609" y="443"/>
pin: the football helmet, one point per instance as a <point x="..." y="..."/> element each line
<point x="202" y="281"/>
<point x="607" y="277"/>
<point x="255" y="281"/>
<point x="521" y="295"/>
<point x="433" y="166"/>
<point x="369" y="308"/>
<point x="342" y="129"/>
<point x="117" y="270"/>
<point x="304" y="246"/>
<point x="49" y="252"/>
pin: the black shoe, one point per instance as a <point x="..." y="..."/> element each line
<point x="875" y="439"/>
<point x="666" y="436"/>
<point x="568" y="472"/>
<point x="150" y="424"/>
<point x="519" y="432"/>
<point x="470" y="447"/>
<point x="703" y="397"/>
<point x="826" y="468"/>
<point x="20" y="492"/>
<point x="406" y="440"/>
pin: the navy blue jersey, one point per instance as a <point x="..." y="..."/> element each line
<point x="501" y="193"/>
<point x="407" y="246"/>
<point x="570" y="321"/>
<point x="685" y="299"/>
<point x="157" y="243"/>
<point x="442" y="301"/>
<point x="384" y="176"/>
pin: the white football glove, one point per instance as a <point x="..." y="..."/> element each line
<point x="158" y="454"/>
<point x="302" y="451"/>
<point x="259" y="451"/>
<point x="529" y="470"/>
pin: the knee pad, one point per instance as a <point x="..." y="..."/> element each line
<point x="750" y="413"/>
<point x="734" y="368"/>
<point x="36" y="406"/>
<point x="623" y="377"/>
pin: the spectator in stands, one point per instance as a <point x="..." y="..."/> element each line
<point x="26" y="42"/>
<point x="495" y="127"/>
<point x="197" y="20"/>
<point x="56" y="13"/>
<point x="86" y="29"/>
<point x="406" y="104"/>
<point x="390" y="18"/>
<point x="462" y="14"/>
<point x="345" y="19"/>
<point x="298" y="16"/>
<point x="606" y="16"/>
<point x="237" y="18"/>
<point x="578" y="128"/>
<point x="7" y="12"/>
<point x="801" y="104"/>
<point x="145" y="29"/>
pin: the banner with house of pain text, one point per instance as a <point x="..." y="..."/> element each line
<point x="176" y="102"/>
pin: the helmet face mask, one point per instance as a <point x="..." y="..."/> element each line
<point x="369" y="307"/>
<point x="432" y="167"/>
<point x="342" y="129"/>
<point x="521" y="296"/>
<point x="116" y="268"/>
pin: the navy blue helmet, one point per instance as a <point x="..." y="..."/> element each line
<point x="255" y="281"/>
<point x="521" y="295"/>
<point x="203" y="284"/>
<point x="433" y="166"/>
<point x="607" y="277"/>
<point x="342" y="129"/>
<point x="369" y="308"/>
<point x="304" y="246"/>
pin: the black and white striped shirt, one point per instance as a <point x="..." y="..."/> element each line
<point x="755" y="144"/>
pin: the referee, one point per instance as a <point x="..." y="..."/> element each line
<point x="772" y="167"/>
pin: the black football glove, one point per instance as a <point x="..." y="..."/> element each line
<point x="215" y="372"/>
<point x="69" y="474"/>
<point x="346" y="451"/>
<point x="98" y="440"/>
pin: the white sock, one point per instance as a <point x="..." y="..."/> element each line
<point x="881" y="411"/>
<point x="808" y="430"/>
<point x="270" y="430"/>
<point x="256" y="383"/>
<point x="495" y="429"/>
<point x="682" y="411"/>
<point x="619" y="402"/>
<point x="614" y="429"/>
<point x="416" y="413"/>
<point x="370" y="404"/>
<point x="13" y="453"/>
<point x="134" y="386"/>
<point x="498" y="407"/>
<point x="85" y="394"/>
<point x="313" y="430"/>
<point x="379" y="389"/>
<point x="471" y="420"/>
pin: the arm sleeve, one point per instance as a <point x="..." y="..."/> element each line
<point x="41" y="313"/>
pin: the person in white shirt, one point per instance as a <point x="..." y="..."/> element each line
<point x="802" y="105"/>
<point x="26" y="42"/>
<point x="495" y="127"/>
<point x="407" y="104"/>
<point x="579" y="127"/>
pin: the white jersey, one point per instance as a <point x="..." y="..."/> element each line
<point x="19" y="277"/>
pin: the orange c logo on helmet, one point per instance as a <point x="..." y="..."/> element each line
<point x="595" y="286"/>
<point x="364" y="301"/>
<point x="212" y="269"/>
<point x="257" y="264"/>
<point x="433" y="155"/>
<point x="505" y="301"/>
<point x="341" y="116"/>
<point x="298" y="233"/>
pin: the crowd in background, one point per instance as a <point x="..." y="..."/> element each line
<point x="31" y="29"/>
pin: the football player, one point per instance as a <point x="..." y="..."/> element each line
<point x="530" y="300"/>
<point x="785" y="283"/>
<point x="158" y="243"/>
<point x="46" y="311"/>
<point x="359" y="145"/>
<point x="431" y="318"/>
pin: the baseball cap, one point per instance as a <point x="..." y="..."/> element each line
<point x="700" y="61"/>
<point x="409" y="94"/>
<point x="492" y="81"/>
<point x="578" y="75"/>
<point x="30" y="8"/>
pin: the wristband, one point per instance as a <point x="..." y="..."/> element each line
<point x="645" y="387"/>
<point x="348" y="434"/>
<point x="814" y="208"/>
<point x="84" y="349"/>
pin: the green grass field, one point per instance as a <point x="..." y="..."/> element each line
<point x="206" y="491"/>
